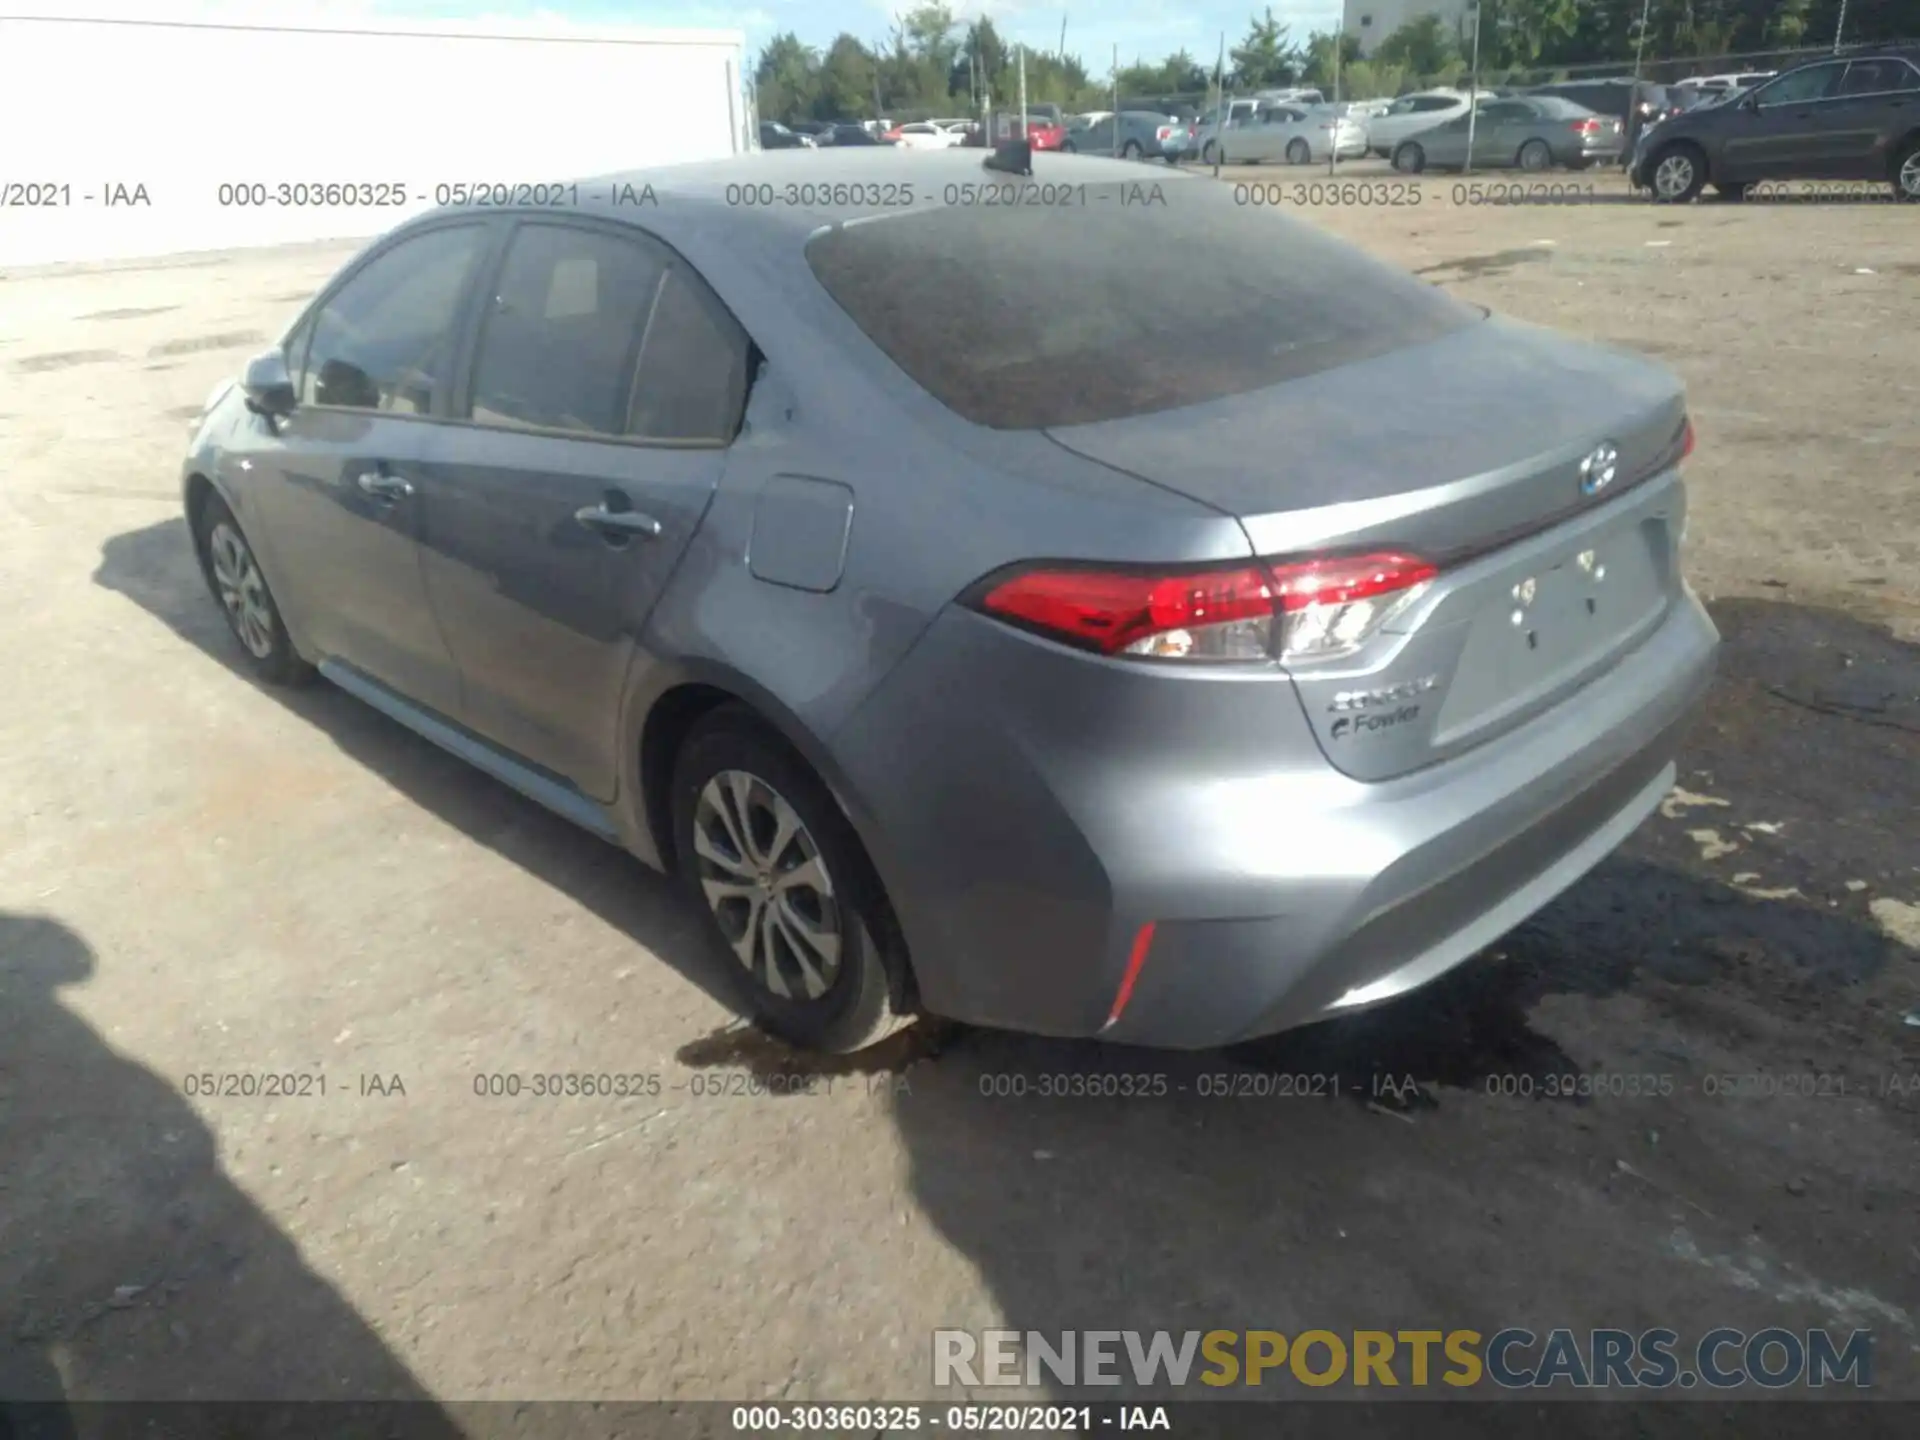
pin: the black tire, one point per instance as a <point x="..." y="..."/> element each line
<point x="1208" y="153"/>
<point x="867" y="991"/>
<point x="239" y="587"/>
<point x="1906" y="173"/>
<point x="1409" y="158"/>
<point x="1130" y="150"/>
<point x="1299" y="153"/>
<point x="1665" y="169"/>
<point x="1733" y="190"/>
<point x="1535" y="155"/>
<point x="1067" y="147"/>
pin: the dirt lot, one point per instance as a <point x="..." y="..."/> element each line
<point x="198" y="876"/>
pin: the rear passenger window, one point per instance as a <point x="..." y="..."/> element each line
<point x="1878" y="77"/>
<point x="561" y="335"/>
<point x="691" y="379"/>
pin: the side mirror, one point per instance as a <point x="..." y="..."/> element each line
<point x="268" y="386"/>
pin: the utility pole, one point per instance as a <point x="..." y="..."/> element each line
<point x="1640" y="50"/>
<point x="1840" y="28"/>
<point x="1023" y="92"/>
<point x="1473" y="88"/>
<point x="1219" y="104"/>
<point x="1339" y="44"/>
<point x="1063" y="35"/>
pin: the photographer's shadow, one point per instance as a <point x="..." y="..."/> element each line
<point x="132" y="1268"/>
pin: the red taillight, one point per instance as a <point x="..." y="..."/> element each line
<point x="1298" y="611"/>
<point x="1686" y="440"/>
<point x="1587" y="127"/>
<point x="1163" y="132"/>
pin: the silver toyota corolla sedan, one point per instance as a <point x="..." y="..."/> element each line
<point x="971" y="628"/>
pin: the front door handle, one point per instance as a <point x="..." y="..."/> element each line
<point x="613" y="523"/>
<point x="385" y="487"/>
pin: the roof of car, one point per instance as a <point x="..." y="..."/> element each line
<point x="707" y="201"/>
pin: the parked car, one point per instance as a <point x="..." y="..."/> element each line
<point x="855" y="133"/>
<point x="1634" y="103"/>
<point x="1526" y="132"/>
<point x="922" y="135"/>
<point x="1411" y="114"/>
<point x="956" y="736"/>
<point x="1294" y="134"/>
<point x="1132" y="135"/>
<point x="775" y="136"/>
<point x="1835" y="119"/>
<point x="819" y="131"/>
<point x="1203" y="133"/>
<point x="1723" y="84"/>
<point x="1042" y="133"/>
<point x="1301" y="95"/>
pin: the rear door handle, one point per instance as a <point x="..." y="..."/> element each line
<point x="385" y="487"/>
<point x="617" y="522"/>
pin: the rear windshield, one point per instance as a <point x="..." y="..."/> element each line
<point x="1102" y="306"/>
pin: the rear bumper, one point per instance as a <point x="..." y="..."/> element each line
<point x="1027" y="835"/>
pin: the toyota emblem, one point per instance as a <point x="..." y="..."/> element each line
<point x="1599" y="468"/>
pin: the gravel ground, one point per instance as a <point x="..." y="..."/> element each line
<point x="199" y="876"/>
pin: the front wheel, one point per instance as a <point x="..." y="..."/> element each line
<point x="1209" y="154"/>
<point x="1130" y="150"/>
<point x="1534" y="155"/>
<point x="1906" y="174"/>
<point x="1410" y="159"/>
<point x="1298" y="152"/>
<point x="765" y="853"/>
<point x="234" y="576"/>
<point x="1678" y="175"/>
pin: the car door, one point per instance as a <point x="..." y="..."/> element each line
<point x="604" y="384"/>
<point x="1778" y="132"/>
<point x="372" y="364"/>
<point x="1874" y="105"/>
<point x="1498" y="132"/>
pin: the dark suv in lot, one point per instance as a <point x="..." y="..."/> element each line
<point x="1855" y="118"/>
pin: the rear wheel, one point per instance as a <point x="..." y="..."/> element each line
<point x="1678" y="174"/>
<point x="1209" y="154"/>
<point x="1298" y="152"/>
<point x="763" y="850"/>
<point x="1068" y="147"/>
<point x="1130" y="150"/>
<point x="1410" y="159"/>
<point x="1534" y="155"/>
<point x="1906" y="173"/>
<point x="234" y="576"/>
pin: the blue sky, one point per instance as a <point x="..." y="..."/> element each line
<point x="1143" y="29"/>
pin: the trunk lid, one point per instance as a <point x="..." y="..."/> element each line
<point x="1468" y="451"/>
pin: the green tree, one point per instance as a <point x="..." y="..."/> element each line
<point x="786" y="78"/>
<point x="847" y="76"/>
<point x="1425" y="45"/>
<point x="1318" y="67"/>
<point x="1267" y="56"/>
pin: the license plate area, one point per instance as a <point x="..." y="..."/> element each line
<point x="1545" y="627"/>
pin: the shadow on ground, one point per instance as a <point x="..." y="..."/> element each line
<point x="154" y="567"/>
<point x="131" y="1266"/>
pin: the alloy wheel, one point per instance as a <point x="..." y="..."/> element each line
<point x="1673" y="177"/>
<point x="764" y="879"/>
<point x="242" y="589"/>
<point x="1909" y="178"/>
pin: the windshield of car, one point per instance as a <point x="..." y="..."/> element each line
<point x="1041" y="316"/>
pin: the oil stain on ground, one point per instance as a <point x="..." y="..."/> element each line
<point x="1500" y="262"/>
<point x="194" y="345"/>
<point x="64" y="360"/>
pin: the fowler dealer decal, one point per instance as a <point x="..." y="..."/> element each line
<point x="1366" y="724"/>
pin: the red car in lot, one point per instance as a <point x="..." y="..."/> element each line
<point x="1046" y="130"/>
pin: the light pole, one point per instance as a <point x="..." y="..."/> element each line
<point x="1640" y="50"/>
<point x="1473" y="90"/>
<point x="1840" y="27"/>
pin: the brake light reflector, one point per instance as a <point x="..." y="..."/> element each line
<point x="1298" y="611"/>
<point x="1587" y="127"/>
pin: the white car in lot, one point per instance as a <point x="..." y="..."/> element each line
<point x="1293" y="135"/>
<point x="1410" y="114"/>
<point x="924" y="135"/>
